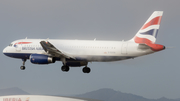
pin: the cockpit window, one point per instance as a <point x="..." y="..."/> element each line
<point x="10" y="44"/>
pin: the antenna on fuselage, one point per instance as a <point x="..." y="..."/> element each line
<point x="47" y="39"/>
<point x="94" y="39"/>
<point x="26" y="38"/>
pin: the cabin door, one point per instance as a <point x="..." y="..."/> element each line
<point x="18" y="46"/>
<point x="124" y="48"/>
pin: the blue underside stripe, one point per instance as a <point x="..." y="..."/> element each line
<point x="18" y="55"/>
<point x="78" y="58"/>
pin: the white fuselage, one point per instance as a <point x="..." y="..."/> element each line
<point x="82" y="50"/>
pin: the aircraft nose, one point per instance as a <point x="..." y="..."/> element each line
<point x="4" y="50"/>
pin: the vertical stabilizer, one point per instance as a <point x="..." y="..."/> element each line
<point x="148" y="32"/>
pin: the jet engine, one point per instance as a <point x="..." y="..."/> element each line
<point x="41" y="59"/>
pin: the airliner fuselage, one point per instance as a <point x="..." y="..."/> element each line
<point x="75" y="53"/>
<point x="82" y="50"/>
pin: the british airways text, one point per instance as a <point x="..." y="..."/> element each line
<point x="32" y="48"/>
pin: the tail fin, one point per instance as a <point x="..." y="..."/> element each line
<point x="148" y="32"/>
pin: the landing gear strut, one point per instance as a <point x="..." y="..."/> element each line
<point x="23" y="66"/>
<point x="86" y="70"/>
<point x="65" y="68"/>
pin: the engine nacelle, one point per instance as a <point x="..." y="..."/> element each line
<point x="76" y="63"/>
<point x="41" y="59"/>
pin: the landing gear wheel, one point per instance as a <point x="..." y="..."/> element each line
<point x="22" y="67"/>
<point x="65" y="68"/>
<point x="86" y="70"/>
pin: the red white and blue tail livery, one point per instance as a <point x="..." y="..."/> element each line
<point x="76" y="53"/>
<point x="148" y="32"/>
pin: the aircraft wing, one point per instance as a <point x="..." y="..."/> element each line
<point x="50" y="49"/>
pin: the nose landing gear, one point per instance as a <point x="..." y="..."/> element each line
<point x="23" y="66"/>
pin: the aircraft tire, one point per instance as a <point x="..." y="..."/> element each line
<point x="65" y="68"/>
<point x="86" y="70"/>
<point x="22" y="67"/>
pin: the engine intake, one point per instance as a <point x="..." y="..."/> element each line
<point x="41" y="59"/>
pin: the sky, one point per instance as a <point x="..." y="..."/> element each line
<point x="152" y="76"/>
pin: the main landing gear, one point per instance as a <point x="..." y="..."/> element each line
<point x="86" y="70"/>
<point x="65" y="68"/>
<point x="23" y="66"/>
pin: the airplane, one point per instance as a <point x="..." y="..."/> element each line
<point x="77" y="53"/>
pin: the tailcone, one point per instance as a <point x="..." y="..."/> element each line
<point x="164" y="47"/>
<point x="157" y="47"/>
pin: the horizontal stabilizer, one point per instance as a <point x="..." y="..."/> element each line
<point x="154" y="47"/>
